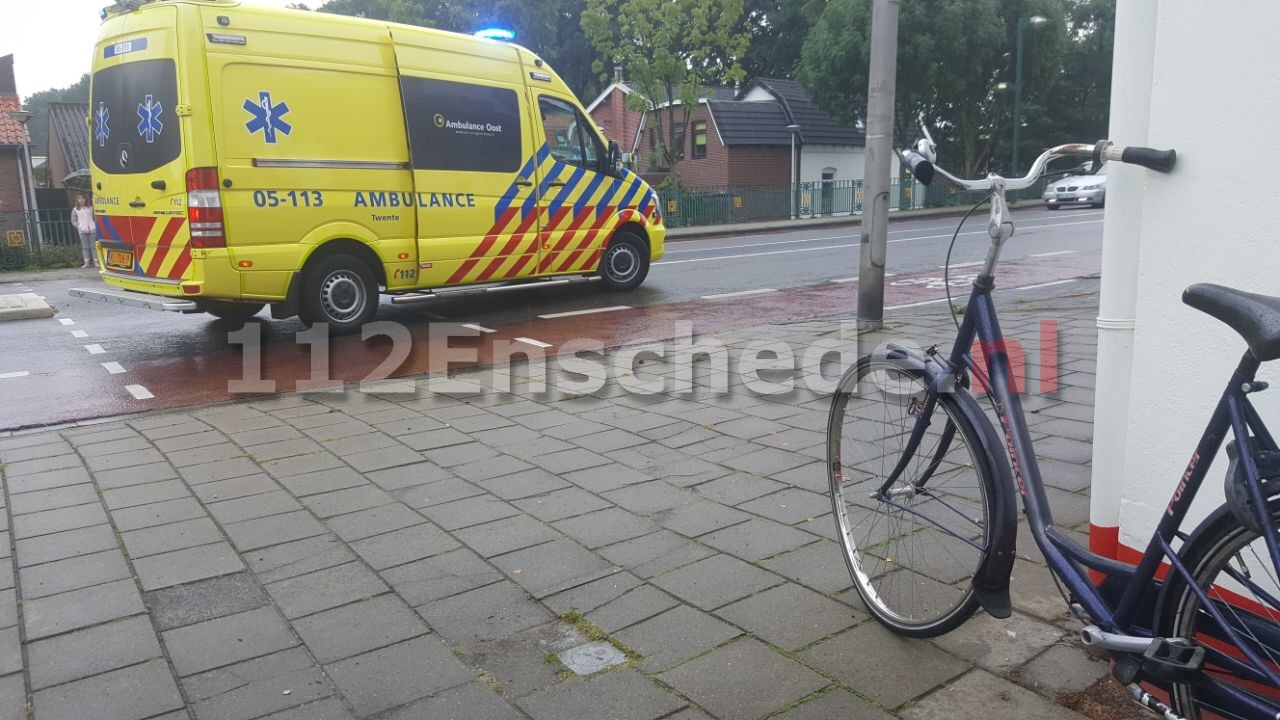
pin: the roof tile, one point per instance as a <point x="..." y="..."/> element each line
<point x="12" y="132"/>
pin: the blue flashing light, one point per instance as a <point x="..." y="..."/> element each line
<point x="496" y="33"/>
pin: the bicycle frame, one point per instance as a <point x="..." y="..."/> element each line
<point x="1067" y="559"/>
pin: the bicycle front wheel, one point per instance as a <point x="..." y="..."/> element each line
<point x="912" y="545"/>
<point x="1230" y="563"/>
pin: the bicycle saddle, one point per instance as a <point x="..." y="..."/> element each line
<point x="1255" y="317"/>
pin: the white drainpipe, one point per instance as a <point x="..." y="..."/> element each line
<point x="1132" y="71"/>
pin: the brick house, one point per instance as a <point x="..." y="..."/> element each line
<point x="68" y="145"/>
<point x="13" y="137"/>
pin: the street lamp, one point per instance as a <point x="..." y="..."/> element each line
<point x="1033" y="21"/>
<point x="795" y="185"/>
<point x="29" y="190"/>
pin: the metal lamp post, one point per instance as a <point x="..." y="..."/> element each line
<point x="795" y="180"/>
<point x="1033" y="21"/>
<point x="29" y="186"/>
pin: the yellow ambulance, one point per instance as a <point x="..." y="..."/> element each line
<point x="244" y="156"/>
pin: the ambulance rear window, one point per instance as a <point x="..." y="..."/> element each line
<point x="134" y="126"/>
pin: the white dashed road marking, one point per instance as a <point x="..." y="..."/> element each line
<point x="740" y="293"/>
<point x="18" y="374"/>
<point x="535" y="343"/>
<point x="79" y="334"/>
<point x="95" y="349"/>
<point x="963" y="264"/>
<point x="1045" y="285"/>
<point x="1052" y="254"/>
<point x="114" y="368"/>
<point x="478" y="328"/>
<point x="139" y="392"/>
<point x="571" y="313"/>
<point x="66" y="321"/>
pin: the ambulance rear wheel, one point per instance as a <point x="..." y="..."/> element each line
<point x="625" y="263"/>
<point x="340" y="291"/>
<point x="231" y="311"/>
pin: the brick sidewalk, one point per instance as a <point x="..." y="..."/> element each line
<point x="317" y="557"/>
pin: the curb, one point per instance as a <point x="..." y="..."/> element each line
<point x="21" y="276"/>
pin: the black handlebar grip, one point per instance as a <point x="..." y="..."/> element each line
<point x="920" y="167"/>
<point x="1161" y="160"/>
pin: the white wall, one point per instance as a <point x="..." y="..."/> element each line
<point x="847" y="161"/>
<point x="1215" y="99"/>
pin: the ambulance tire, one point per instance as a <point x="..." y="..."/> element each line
<point x="232" y="312"/>
<point x="340" y="291"/>
<point x="625" y="262"/>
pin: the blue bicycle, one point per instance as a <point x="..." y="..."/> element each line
<point x="925" y="504"/>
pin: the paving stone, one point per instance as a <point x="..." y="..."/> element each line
<point x="8" y="608"/>
<point x="811" y="477"/>
<point x="72" y="610"/>
<point x="999" y="645"/>
<point x="234" y="488"/>
<point x="403" y="546"/>
<point x="438" y="492"/>
<point x="702" y="517"/>
<point x="203" y="600"/>
<point x="167" y="538"/>
<point x="790" y="506"/>
<point x="618" y="695"/>
<point x="790" y="616"/>
<point x="137" y="475"/>
<point x="53" y="499"/>
<point x="10" y="651"/>
<point x="301" y="465"/>
<point x="374" y="521"/>
<point x="386" y="678"/>
<point x="91" y="651"/>
<point x="205" y="437"/>
<point x="450" y="573"/>
<point x="327" y="709"/>
<point x="325" y="589"/>
<point x="650" y="498"/>
<point x="159" y="513"/>
<point x="184" y="566"/>
<point x="382" y="459"/>
<point x="675" y="636"/>
<point x="765" y="462"/>
<point x="226" y="640"/>
<point x="131" y="693"/>
<point x="737" y="488"/>
<point x="434" y="439"/>
<point x="523" y="484"/>
<point x="359" y="627"/>
<point x="606" y="477"/>
<point x="267" y="684"/>
<point x="552" y="567"/>
<point x="219" y="470"/>
<point x="276" y="502"/>
<point x="744" y="680"/>
<point x="998" y="699"/>
<point x="489" y="612"/>
<point x="819" y="566"/>
<point x="363" y="442"/>
<point x="262" y="436"/>
<point x="473" y="701"/>
<point x="42" y="465"/>
<point x="59" y="546"/>
<point x="50" y="446"/>
<point x="322" y="481"/>
<point x="567" y="461"/>
<point x="182" y="426"/>
<point x="264" y="532"/>
<point x="283" y="449"/>
<point x="879" y="665"/>
<point x="45" y="480"/>
<point x="716" y="581"/>
<point x="404" y="476"/>
<point x="345" y="501"/>
<point x="589" y="596"/>
<point x="471" y="511"/>
<point x="561" y="504"/>
<point x="13" y="698"/>
<point x="490" y="468"/>
<point x="204" y="455"/>
<point x="73" y="573"/>
<point x="835" y="704"/>
<point x="757" y="539"/>
<point x="635" y="606"/>
<point x="298" y="558"/>
<point x="605" y="527"/>
<point x="53" y="521"/>
<point x="656" y="553"/>
<point x="1063" y="668"/>
<point x="506" y="535"/>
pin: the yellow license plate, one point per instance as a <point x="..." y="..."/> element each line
<point x="122" y="259"/>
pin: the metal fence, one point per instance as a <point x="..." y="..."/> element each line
<point x="38" y="239"/>
<point x="693" y="206"/>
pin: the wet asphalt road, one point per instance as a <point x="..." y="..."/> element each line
<point x="98" y="360"/>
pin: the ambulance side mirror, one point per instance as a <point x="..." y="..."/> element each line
<point x="615" y="159"/>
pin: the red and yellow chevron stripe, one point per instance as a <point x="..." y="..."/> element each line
<point x="160" y="247"/>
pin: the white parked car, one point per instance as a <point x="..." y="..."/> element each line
<point x="1082" y="189"/>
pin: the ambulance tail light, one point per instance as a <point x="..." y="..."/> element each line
<point x="204" y="208"/>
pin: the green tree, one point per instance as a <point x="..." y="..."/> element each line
<point x="952" y="56"/>
<point x="670" y="50"/>
<point x="778" y="29"/>
<point x="1076" y="103"/>
<point x="38" y="103"/>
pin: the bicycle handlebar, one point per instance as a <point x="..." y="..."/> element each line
<point x="1160" y="160"/>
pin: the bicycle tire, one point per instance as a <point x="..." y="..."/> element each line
<point x="1221" y="540"/>
<point x="884" y="560"/>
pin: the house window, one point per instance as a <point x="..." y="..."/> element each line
<point x="699" y="139"/>
<point x="677" y="141"/>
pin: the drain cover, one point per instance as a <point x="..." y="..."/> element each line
<point x="592" y="657"/>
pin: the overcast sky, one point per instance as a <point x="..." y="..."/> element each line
<point x="52" y="40"/>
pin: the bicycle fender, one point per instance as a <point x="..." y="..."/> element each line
<point x="991" y="581"/>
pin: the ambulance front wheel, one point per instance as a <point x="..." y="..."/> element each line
<point x="625" y="263"/>
<point x="339" y="291"/>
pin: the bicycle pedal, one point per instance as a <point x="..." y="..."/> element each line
<point x="1172" y="660"/>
